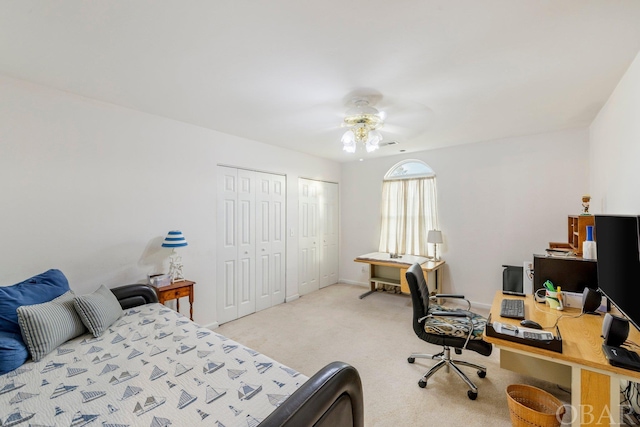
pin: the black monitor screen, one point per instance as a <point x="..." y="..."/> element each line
<point x="617" y="241"/>
<point x="572" y="274"/>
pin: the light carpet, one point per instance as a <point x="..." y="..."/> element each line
<point x="375" y="335"/>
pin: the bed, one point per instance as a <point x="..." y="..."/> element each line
<point x="155" y="367"/>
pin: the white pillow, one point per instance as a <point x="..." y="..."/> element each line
<point x="98" y="310"/>
<point x="45" y="326"/>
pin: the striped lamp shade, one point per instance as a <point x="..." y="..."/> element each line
<point x="174" y="239"/>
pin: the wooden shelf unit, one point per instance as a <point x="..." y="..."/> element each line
<point x="577" y="231"/>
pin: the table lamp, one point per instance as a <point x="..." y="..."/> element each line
<point x="174" y="240"/>
<point x="435" y="237"/>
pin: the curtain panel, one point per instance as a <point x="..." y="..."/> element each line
<point x="409" y="211"/>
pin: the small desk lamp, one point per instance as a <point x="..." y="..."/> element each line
<point x="435" y="237"/>
<point x="174" y="240"/>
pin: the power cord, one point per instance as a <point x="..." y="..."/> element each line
<point x="548" y="312"/>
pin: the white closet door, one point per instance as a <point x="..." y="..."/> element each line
<point x="227" y="257"/>
<point x="309" y="257"/>
<point x="279" y="240"/>
<point x="251" y="242"/>
<point x="270" y="240"/>
<point x="329" y="234"/>
<point x="246" y="243"/>
<point x="263" y="241"/>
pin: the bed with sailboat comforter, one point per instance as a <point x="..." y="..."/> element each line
<point x="154" y="367"/>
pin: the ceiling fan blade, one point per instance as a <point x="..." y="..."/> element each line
<point x="401" y="133"/>
<point x="411" y="116"/>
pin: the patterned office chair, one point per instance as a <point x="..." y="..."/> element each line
<point x="449" y="328"/>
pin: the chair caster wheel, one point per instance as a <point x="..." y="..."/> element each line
<point x="422" y="383"/>
<point x="482" y="374"/>
<point x="411" y="359"/>
<point x="458" y="351"/>
<point x="472" y="395"/>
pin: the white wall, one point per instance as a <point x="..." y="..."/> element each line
<point x="615" y="149"/>
<point x="91" y="188"/>
<point x="499" y="203"/>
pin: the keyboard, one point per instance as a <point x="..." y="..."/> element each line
<point x="621" y="357"/>
<point x="513" y="308"/>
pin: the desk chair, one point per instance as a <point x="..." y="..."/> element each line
<point x="448" y="328"/>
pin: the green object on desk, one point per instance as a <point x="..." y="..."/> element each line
<point x="549" y="286"/>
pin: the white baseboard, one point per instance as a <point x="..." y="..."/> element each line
<point x="481" y="305"/>
<point x="353" y="282"/>
<point x="453" y="302"/>
<point x="212" y="326"/>
<point x="215" y="325"/>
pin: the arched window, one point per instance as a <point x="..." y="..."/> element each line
<point x="409" y="208"/>
<point x="407" y="169"/>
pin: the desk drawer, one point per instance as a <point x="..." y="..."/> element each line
<point x="174" y="294"/>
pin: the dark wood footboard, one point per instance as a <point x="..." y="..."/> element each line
<point x="330" y="398"/>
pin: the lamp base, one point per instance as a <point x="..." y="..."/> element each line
<point x="175" y="268"/>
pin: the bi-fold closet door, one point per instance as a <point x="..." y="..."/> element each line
<point x="318" y="239"/>
<point x="251" y="242"/>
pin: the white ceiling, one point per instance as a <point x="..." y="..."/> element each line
<point x="449" y="71"/>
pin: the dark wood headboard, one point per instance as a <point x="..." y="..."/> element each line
<point x="135" y="295"/>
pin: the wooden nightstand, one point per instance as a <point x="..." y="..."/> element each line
<point x="176" y="291"/>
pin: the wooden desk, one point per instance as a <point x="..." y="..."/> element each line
<point x="595" y="384"/>
<point x="393" y="273"/>
<point x="176" y="291"/>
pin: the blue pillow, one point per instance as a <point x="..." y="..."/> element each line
<point x="35" y="290"/>
<point x="13" y="352"/>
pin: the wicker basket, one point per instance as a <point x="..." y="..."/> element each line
<point x="530" y="406"/>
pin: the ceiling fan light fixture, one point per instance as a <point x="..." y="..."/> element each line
<point x="349" y="142"/>
<point x="363" y="121"/>
<point x="370" y="120"/>
<point x="373" y="142"/>
<point x="361" y="132"/>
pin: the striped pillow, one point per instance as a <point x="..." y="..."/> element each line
<point x="98" y="310"/>
<point x="45" y="326"/>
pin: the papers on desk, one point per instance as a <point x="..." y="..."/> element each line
<point x="543" y="339"/>
<point x="386" y="257"/>
<point x="522" y="332"/>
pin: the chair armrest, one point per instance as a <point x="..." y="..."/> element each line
<point x="445" y="314"/>
<point x="453" y="296"/>
<point x="449" y="314"/>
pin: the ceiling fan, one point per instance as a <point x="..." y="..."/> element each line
<point x="367" y="126"/>
<point x="363" y="122"/>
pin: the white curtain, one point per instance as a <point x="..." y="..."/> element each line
<point x="409" y="211"/>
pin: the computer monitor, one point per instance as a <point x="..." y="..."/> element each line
<point x="572" y="274"/>
<point x="618" y="252"/>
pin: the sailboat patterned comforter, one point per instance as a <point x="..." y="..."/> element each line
<point x="153" y="367"/>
